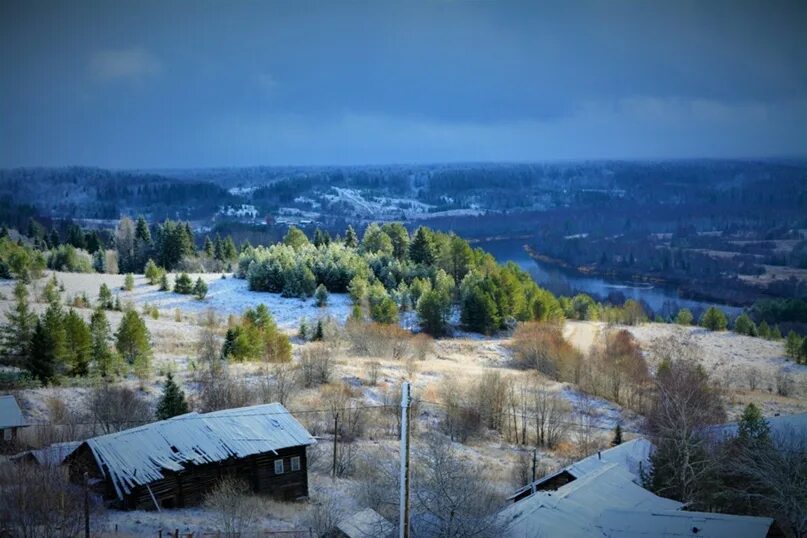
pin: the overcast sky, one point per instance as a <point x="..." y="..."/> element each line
<point x="139" y="84"/>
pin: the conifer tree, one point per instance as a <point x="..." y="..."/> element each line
<point x="422" y="249"/>
<point x="200" y="289"/>
<point x="617" y="440"/>
<point x="183" y="284"/>
<point x="752" y="426"/>
<point x="684" y="317"/>
<point x="172" y="402"/>
<point x="103" y="357"/>
<point x="128" y="282"/>
<point x="351" y="239"/>
<point x="19" y="327"/>
<point x="792" y="345"/>
<point x="132" y="340"/>
<point x="319" y="333"/>
<point x="321" y="296"/>
<point x="208" y="248"/>
<point x="42" y="359"/>
<point x="78" y="344"/>
<point x="164" y="286"/>
<point x="714" y="319"/>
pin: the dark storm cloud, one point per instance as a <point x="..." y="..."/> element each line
<point x="151" y="84"/>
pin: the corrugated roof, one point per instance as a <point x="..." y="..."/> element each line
<point x="10" y="414"/>
<point x="51" y="455"/>
<point x="366" y="524"/>
<point x="676" y="523"/>
<point x="574" y="510"/>
<point x="780" y="425"/>
<point x="140" y="455"/>
<point x="633" y="456"/>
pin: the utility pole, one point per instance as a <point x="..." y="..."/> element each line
<point x="335" y="433"/>
<point x="404" y="516"/>
<point x="86" y="507"/>
<point x="533" y="464"/>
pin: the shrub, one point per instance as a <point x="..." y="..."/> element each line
<point x="128" y="282"/>
<point x="183" y="284"/>
<point x="541" y="346"/>
<point x="714" y="319"/>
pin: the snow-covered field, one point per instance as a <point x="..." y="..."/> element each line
<point x="226" y="295"/>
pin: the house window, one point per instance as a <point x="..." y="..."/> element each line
<point x="295" y="463"/>
<point x="279" y="467"/>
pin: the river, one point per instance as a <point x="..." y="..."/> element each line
<point x="561" y="281"/>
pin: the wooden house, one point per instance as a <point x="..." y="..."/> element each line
<point x="176" y="462"/>
<point x="11" y="420"/>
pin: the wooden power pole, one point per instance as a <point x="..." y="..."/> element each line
<point x="335" y="433"/>
<point x="405" y="406"/>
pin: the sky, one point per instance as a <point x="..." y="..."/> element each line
<point x="191" y="84"/>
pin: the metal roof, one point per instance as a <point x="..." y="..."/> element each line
<point x="676" y="523"/>
<point x="140" y="455"/>
<point x="366" y="524"/>
<point x="607" y="503"/>
<point x="10" y="414"/>
<point x="633" y="456"/>
<point x="781" y="425"/>
<point x="51" y="456"/>
<point x="574" y="510"/>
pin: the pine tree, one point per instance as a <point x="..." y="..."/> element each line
<point x="792" y="345"/>
<point x="479" y="312"/>
<point x="319" y="333"/>
<point x="230" y="252"/>
<point x="295" y="238"/>
<point x="105" y="299"/>
<point x="102" y="355"/>
<point x="78" y="344"/>
<point x="752" y="426"/>
<point x="617" y="440"/>
<point x="128" y="282"/>
<point x="99" y="261"/>
<point x="208" y="248"/>
<point x="321" y="296"/>
<point x="142" y="232"/>
<point x="351" y="239"/>
<point x="132" y="340"/>
<point x="303" y="331"/>
<point x="19" y="327"/>
<point x="714" y="319"/>
<point x="684" y="317"/>
<point x="433" y="309"/>
<point x="172" y="402"/>
<point x="200" y="289"/>
<point x="745" y="325"/>
<point x="153" y="272"/>
<point x="764" y="330"/>
<point x="51" y="291"/>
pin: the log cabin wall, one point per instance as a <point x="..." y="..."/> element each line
<point x="190" y="486"/>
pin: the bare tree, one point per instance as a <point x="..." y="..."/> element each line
<point x="235" y="510"/>
<point x="40" y="501"/>
<point x="316" y="365"/>
<point x="452" y="496"/>
<point x="219" y="390"/>
<point x="777" y="474"/>
<point x="278" y="384"/>
<point x="323" y="516"/>
<point x="684" y="405"/>
<point x="550" y="415"/>
<point x="118" y="408"/>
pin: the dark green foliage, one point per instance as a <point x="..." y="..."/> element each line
<point x="172" y="402"/>
<point x="256" y="337"/>
<point x="43" y="361"/>
<point x="433" y="309"/>
<point x="714" y="319"/>
<point x="133" y="342"/>
<point x="745" y="325"/>
<point x="174" y="242"/>
<point x="479" y="312"/>
<point x="400" y="239"/>
<point x="321" y="238"/>
<point x="105" y="299"/>
<point x="19" y="328"/>
<point x="102" y="355"/>
<point x="78" y="344"/>
<point x="617" y="440"/>
<point x="752" y="426"/>
<point x="422" y="249"/>
<point x="200" y="289"/>
<point x="183" y="284"/>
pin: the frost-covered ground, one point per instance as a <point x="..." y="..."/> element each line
<point x="226" y="295"/>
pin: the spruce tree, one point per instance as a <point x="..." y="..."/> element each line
<point x="128" y="282"/>
<point x="164" y="286"/>
<point x="433" y="309"/>
<point x="792" y="345"/>
<point x="422" y="249"/>
<point x="19" y="327"/>
<point x="42" y="358"/>
<point x="714" y="319"/>
<point x="172" y="402"/>
<point x="319" y="334"/>
<point x="132" y="340"/>
<point x="208" y="248"/>
<point x="183" y="284"/>
<point x="744" y="325"/>
<point x="752" y="427"/>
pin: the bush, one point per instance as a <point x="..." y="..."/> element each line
<point x="128" y="282"/>
<point x="200" y="289"/>
<point x="321" y="296"/>
<point x="235" y="511"/>
<point x="541" y="346"/>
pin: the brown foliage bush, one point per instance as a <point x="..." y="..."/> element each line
<point x="541" y="346"/>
